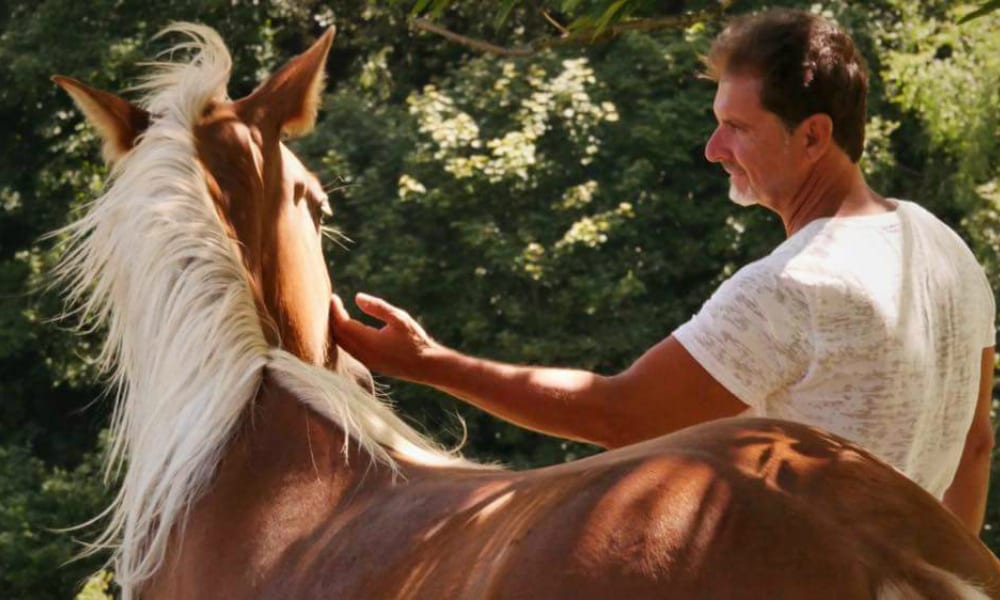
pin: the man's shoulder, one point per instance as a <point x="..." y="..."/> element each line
<point x="774" y="278"/>
<point x="790" y="266"/>
<point x="944" y="234"/>
<point x="795" y="277"/>
<point x="943" y="246"/>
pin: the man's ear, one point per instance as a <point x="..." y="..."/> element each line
<point x="818" y="131"/>
<point x="289" y="99"/>
<point x="117" y="121"/>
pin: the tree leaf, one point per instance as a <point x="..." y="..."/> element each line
<point x="608" y="16"/>
<point x="504" y="12"/>
<point x="983" y="10"/>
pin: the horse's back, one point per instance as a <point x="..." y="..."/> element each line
<point x="755" y="508"/>
<point x="737" y="509"/>
<point x="732" y="509"/>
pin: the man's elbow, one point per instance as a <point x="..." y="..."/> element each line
<point x="979" y="445"/>
<point x="626" y="417"/>
<point x="614" y="425"/>
<point x="982" y="445"/>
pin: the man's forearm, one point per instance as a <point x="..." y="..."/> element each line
<point x="561" y="402"/>
<point x="666" y="389"/>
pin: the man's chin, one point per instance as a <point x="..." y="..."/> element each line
<point x="741" y="197"/>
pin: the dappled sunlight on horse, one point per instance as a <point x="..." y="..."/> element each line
<point x="260" y="464"/>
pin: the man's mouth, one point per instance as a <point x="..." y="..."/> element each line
<point x="733" y="171"/>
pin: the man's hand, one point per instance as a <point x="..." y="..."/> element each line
<point x="395" y="349"/>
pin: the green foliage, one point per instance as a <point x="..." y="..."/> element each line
<point x="38" y="502"/>
<point x="97" y="587"/>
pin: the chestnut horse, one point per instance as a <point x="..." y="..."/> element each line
<point x="259" y="464"/>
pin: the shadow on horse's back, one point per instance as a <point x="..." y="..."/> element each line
<point x="741" y="508"/>
<point x="258" y="467"/>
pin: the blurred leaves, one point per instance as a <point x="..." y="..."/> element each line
<point x="39" y="502"/>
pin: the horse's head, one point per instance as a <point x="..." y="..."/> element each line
<point x="270" y="202"/>
<point x="202" y="259"/>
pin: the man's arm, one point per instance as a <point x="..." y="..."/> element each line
<point x="665" y="390"/>
<point x="966" y="497"/>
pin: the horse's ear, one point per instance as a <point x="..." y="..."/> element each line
<point x="118" y="121"/>
<point x="290" y="98"/>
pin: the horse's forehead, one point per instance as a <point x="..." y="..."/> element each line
<point x="221" y="126"/>
<point x="221" y="130"/>
<point x="293" y="165"/>
<point x="227" y="144"/>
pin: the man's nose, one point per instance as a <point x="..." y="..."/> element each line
<point x="713" y="148"/>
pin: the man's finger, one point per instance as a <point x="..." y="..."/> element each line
<point x="379" y="308"/>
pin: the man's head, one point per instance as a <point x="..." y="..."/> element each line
<point x="807" y="76"/>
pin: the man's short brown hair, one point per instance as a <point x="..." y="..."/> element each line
<point x="807" y="66"/>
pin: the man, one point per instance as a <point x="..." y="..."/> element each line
<point x="872" y="320"/>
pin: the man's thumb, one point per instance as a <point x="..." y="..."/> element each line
<point x="337" y="310"/>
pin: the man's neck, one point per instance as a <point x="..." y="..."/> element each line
<point x="834" y="189"/>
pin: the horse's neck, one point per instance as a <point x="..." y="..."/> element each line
<point x="283" y="478"/>
<point x="281" y="434"/>
<point x="289" y="448"/>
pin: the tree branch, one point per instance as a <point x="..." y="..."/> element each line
<point x="590" y="35"/>
<point x="554" y="23"/>
<point x="425" y="25"/>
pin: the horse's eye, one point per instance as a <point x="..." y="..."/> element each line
<point x="324" y="204"/>
<point x="319" y="205"/>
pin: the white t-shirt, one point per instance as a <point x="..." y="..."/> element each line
<point x="871" y="327"/>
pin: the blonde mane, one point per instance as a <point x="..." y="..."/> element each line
<point x="151" y="261"/>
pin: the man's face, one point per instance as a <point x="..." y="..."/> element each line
<point x="753" y="145"/>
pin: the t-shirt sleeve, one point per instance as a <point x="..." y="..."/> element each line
<point x="977" y="298"/>
<point x="752" y="335"/>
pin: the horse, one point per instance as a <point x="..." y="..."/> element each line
<point x="257" y="462"/>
